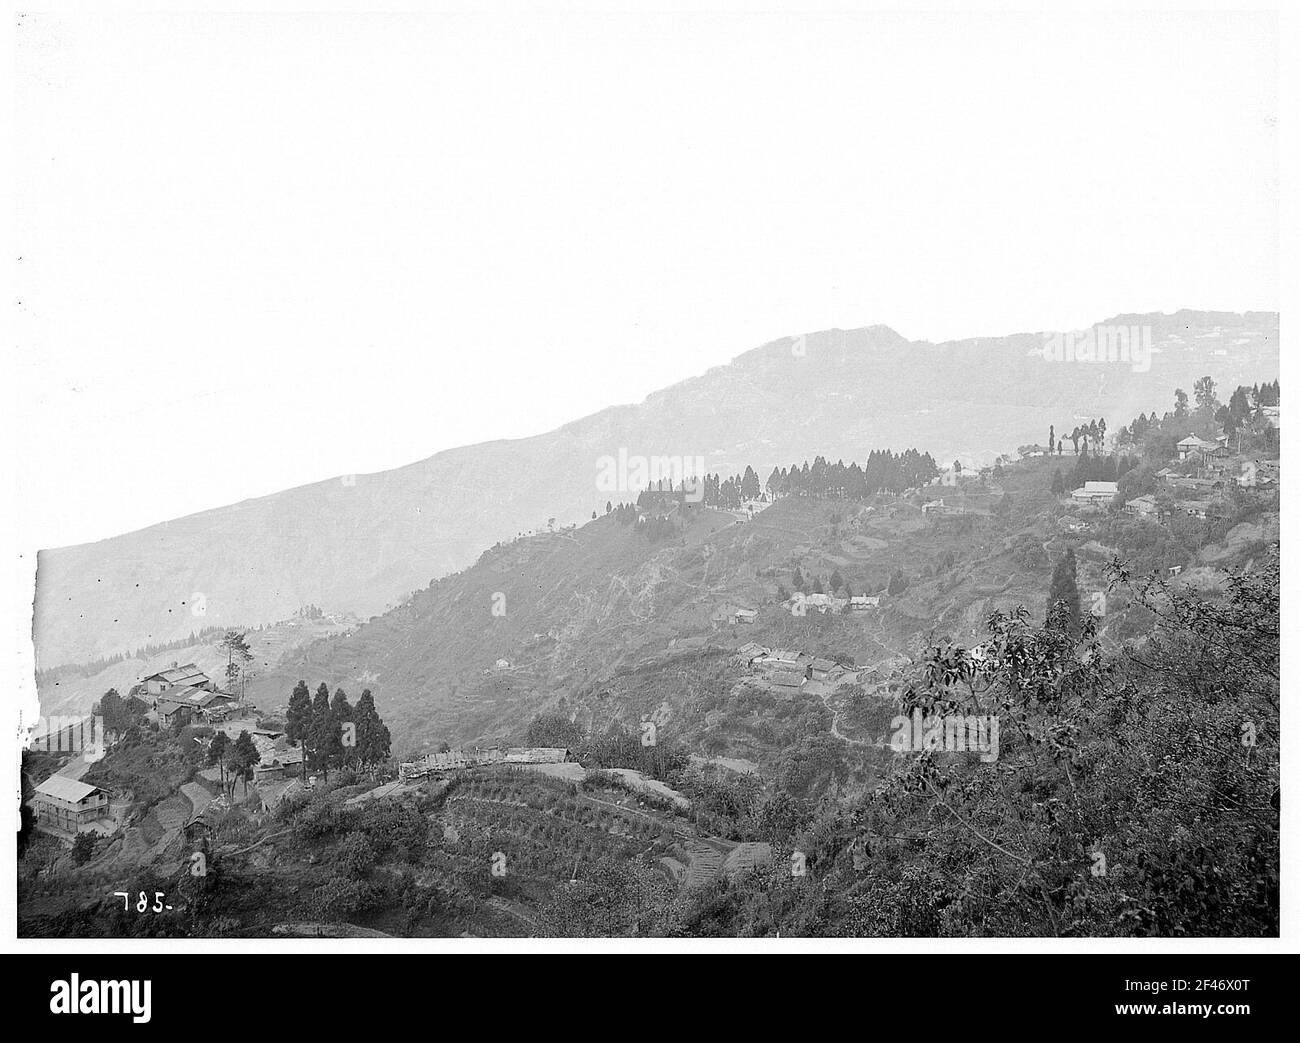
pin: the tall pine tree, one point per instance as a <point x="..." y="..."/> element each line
<point x="244" y="757"/>
<point x="320" y="729"/>
<point x="298" y="720"/>
<point x="373" y="739"/>
<point x="341" y="713"/>
<point x="1065" y="588"/>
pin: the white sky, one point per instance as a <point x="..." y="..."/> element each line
<point x="262" y="251"/>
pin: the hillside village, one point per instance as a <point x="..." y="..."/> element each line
<point x="175" y="700"/>
<point x="680" y="687"/>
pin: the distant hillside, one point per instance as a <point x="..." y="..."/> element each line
<point x="359" y="543"/>
<point x="605" y="626"/>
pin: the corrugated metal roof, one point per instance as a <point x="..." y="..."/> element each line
<point x="537" y="755"/>
<point x="60" y="787"/>
<point x="177" y="674"/>
<point x="167" y="707"/>
<point x="188" y="695"/>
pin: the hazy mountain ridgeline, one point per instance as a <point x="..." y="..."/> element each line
<point x="358" y="543"/>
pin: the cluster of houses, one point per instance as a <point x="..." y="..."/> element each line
<point x="1193" y="447"/>
<point x="735" y="614"/>
<point x="1216" y="461"/>
<point x="184" y="694"/>
<point x="457" y="760"/>
<point x="1209" y="466"/>
<point x="277" y="774"/>
<point x="1199" y="495"/>
<point x="801" y="604"/>
<point x="63" y="805"/>
<point x="278" y="758"/>
<point x="787" y="669"/>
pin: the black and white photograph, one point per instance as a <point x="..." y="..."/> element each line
<point x="646" y="478"/>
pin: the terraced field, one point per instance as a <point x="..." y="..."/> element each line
<point x="705" y="863"/>
<point x="747" y="856"/>
<point x="549" y="833"/>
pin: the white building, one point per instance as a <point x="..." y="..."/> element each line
<point x="1099" y="493"/>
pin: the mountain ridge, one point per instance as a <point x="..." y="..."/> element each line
<point x="356" y="543"/>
